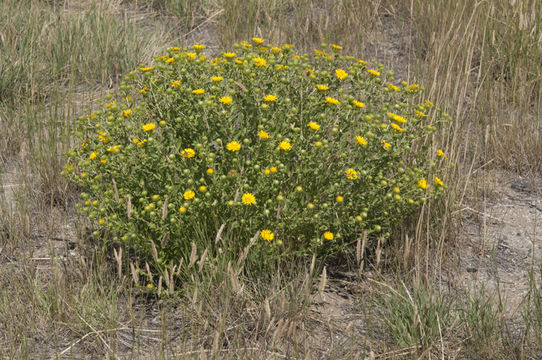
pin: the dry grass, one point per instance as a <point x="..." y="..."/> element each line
<point x="64" y="296"/>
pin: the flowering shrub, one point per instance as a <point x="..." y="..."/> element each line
<point x="304" y="153"/>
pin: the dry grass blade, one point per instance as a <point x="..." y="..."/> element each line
<point x="244" y="254"/>
<point x="193" y="255"/>
<point x="219" y="233"/>
<point x="94" y="331"/>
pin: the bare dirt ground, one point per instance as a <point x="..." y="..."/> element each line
<point x="501" y="239"/>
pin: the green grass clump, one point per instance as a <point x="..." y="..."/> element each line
<point x="300" y="155"/>
<point x="417" y="317"/>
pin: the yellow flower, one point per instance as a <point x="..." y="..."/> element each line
<point x="358" y="103"/>
<point x="203" y="188"/>
<point x="229" y="55"/>
<point x="351" y="174"/>
<point x="440" y="153"/>
<point x="267" y="171"/>
<point x="144" y="90"/>
<point x="273" y="169"/>
<point x="103" y="161"/>
<point x="397" y="127"/>
<point x="386" y="145"/>
<point x="340" y="198"/>
<point x="145" y="69"/>
<point x="188" y="153"/>
<point x="148" y="127"/>
<point x="318" y="52"/>
<point x="336" y="47"/>
<point x="233" y="146"/>
<point x="248" y="199"/>
<point x="93" y="156"/>
<point x="318" y="144"/>
<point x="199" y="91"/>
<point x="198" y="47"/>
<point x="226" y="100"/>
<point x="182" y="209"/>
<point x="276" y="49"/>
<point x="285" y="145"/>
<point x="373" y="72"/>
<point x="393" y="87"/>
<point x="438" y="181"/>
<point x="321" y="87"/>
<point x="397" y="118"/>
<point x="217" y="78"/>
<point x="173" y="48"/>
<point x="328" y="235"/>
<point x="189" y="194"/>
<point x="267" y="235"/>
<point x="210" y="171"/>
<point x="332" y="101"/>
<point x="422" y="183"/>
<point x="258" y="41"/>
<point x="413" y="87"/>
<point x="429" y="103"/>
<point x="341" y="74"/>
<point x="103" y="138"/>
<point x="169" y="61"/>
<point x="270" y="98"/>
<point x="112" y="148"/>
<point x="258" y="61"/>
<point x="263" y="135"/>
<point x="361" y="140"/>
<point x="150" y="286"/>
<point x="176" y="83"/>
<point x="191" y="56"/>
<point x="101" y="221"/>
<point x="419" y="113"/>
<point x="313" y="125"/>
<point x="126" y="112"/>
<point x="287" y="46"/>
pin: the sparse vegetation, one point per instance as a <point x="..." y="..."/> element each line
<point x="65" y="295"/>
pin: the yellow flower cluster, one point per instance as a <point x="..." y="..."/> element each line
<point x="314" y="134"/>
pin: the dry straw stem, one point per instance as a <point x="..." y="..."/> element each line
<point x="94" y="331"/>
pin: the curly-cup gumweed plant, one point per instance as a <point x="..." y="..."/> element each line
<point x="302" y="153"/>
